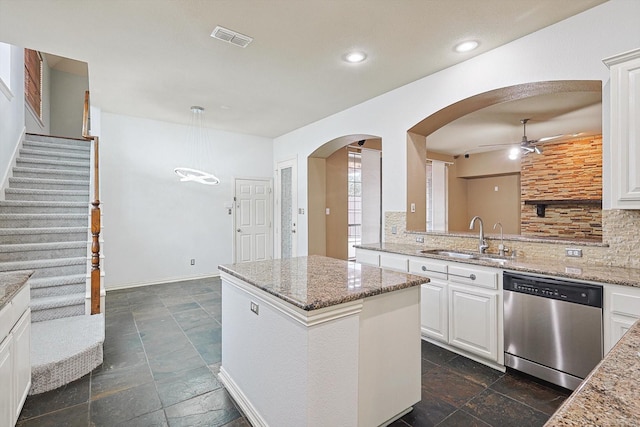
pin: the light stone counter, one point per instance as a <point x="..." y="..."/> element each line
<point x="314" y="282"/>
<point x="610" y="395"/>
<point x="554" y="267"/>
<point x="11" y="284"/>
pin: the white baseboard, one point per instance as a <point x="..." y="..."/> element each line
<point x="249" y="411"/>
<point x="161" y="282"/>
<point x="9" y="172"/>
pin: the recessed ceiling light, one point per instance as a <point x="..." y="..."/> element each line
<point x="466" y="46"/>
<point x="355" y="57"/>
<point x="225" y="107"/>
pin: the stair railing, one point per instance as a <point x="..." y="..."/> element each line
<point x="95" y="209"/>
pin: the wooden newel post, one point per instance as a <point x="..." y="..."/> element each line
<point x="95" y="236"/>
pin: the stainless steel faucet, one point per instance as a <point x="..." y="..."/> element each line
<point x="482" y="246"/>
<point x="501" y="249"/>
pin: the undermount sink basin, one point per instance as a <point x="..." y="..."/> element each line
<point x="465" y="255"/>
<point x="452" y="254"/>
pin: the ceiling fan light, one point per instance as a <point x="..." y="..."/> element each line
<point x="514" y="153"/>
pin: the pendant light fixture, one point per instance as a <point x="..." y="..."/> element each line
<point x="197" y="139"/>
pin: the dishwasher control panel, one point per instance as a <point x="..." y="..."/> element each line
<point x="579" y="293"/>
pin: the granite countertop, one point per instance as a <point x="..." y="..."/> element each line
<point x="610" y="395"/>
<point x="11" y="284"/>
<point x="554" y="267"/>
<point x="315" y="282"/>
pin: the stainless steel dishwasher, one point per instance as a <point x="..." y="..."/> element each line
<point x="552" y="328"/>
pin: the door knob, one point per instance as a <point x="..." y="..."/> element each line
<point x="293" y="231"/>
<point x="238" y="230"/>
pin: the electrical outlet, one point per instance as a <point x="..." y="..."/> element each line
<point x="420" y="239"/>
<point x="255" y="307"/>
<point x="573" y="270"/>
<point x="413" y="207"/>
<point x="572" y="252"/>
<point x="193" y="261"/>
<point x="394" y="230"/>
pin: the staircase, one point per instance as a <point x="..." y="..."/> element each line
<point x="44" y="222"/>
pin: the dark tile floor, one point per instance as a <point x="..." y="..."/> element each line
<point x="163" y="349"/>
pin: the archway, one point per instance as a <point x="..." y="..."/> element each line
<point x="344" y="196"/>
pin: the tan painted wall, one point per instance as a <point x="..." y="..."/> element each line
<point x="316" y="190"/>
<point x="336" y="200"/>
<point x="416" y="182"/>
<point x="494" y="206"/>
<point x="486" y="164"/>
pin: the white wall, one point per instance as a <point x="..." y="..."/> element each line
<point x="570" y="50"/>
<point x="154" y="224"/>
<point x="67" y="103"/>
<point x="11" y="115"/>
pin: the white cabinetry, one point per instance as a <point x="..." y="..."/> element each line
<point x="364" y="256"/>
<point x="15" y="359"/>
<point x="621" y="310"/>
<point x="394" y="262"/>
<point x="461" y="307"/>
<point x="625" y="129"/>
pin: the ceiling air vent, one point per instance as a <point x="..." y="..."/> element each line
<point x="230" y="36"/>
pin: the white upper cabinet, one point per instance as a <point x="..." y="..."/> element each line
<point x="625" y="129"/>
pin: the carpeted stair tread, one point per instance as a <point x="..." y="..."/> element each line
<point x="29" y="152"/>
<point x="45" y="162"/>
<point x="45" y="282"/>
<point x="63" y="350"/>
<point x="27" y="216"/>
<point x="50" y="302"/>
<point x="55" y="139"/>
<point x="42" y="263"/>
<point x="54" y="146"/>
<point x="20" y="247"/>
<point x="60" y="193"/>
<point x="42" y="230"/>
<point x="43" y="204"/>
<point x="36" y="181"/>
<point x="56" y="172"/>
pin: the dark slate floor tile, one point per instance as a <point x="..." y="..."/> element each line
<point x="474" y="371"/>
<point x="175" y="362"/>
<point x="211" y="409"/>
<point x="150" y="313"/>
<point x="73" y="416"/>
<point x="211" y="353"/>
<point x="169" y="332"/>
<point x="119" y="408"/>
<point x="428" y="412"/>
<point x="242" y="422"/>
<point x="426" y="365"/>
<point x="435" y="354"/>
<point x="153" y="419"/>
<point x="194" y="318"/>
<point x="178" y="308"/>
<point x="498" y="410"/>
<point x="545" y="398"/>
<point x="177" y="388"/>
<point x="398" y="423"/>
<point x="205" y="334"/>
<point x="160" y="322"/>
<point x="66" y="396"/>
<point x="123" y="351"/>
<point x="162" y="345"/>
<point x="449" y="386"/>
<point x="461" y="418"/>
<point x="111" y="381"/>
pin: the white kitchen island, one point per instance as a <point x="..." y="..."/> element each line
<point x="315" y="341"/>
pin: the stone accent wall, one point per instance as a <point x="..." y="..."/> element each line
<point x="570" y="171"/>
<point x="622" y="233"/>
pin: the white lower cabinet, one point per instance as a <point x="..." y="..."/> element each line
<point x="434" y="318"/>
<point x="15" y="356"/>
<point x="621" y="311"/>
<point x="461" y="306"/>
<point x="364" y="256"/>
<point x="473" y="320"/>
<point x="6" y="375"/>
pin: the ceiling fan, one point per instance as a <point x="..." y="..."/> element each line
<point x="527" y="145"/>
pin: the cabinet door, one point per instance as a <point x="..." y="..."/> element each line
<point x="6" y="381"/>
<point x="433" y="310"/>
<point x="367" y="257"/>
<point x="619" y="326"/>
<point x="473" y="321"/>
<point x="394" y="262"/>
<point x="22" y="361"/>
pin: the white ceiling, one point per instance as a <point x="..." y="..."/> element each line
<point x="155" y="58"/>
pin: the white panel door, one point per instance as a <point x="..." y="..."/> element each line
<point x="253" y="220"/>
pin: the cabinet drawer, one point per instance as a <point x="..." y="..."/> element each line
<point x="394" y="262"/>
<point x="368" y="257"/>
<point x="626" y="304"/>
<point x="20" y="304"/>
<point x="434" y="270"/>
<point x="6" y="320"/>
<point x="473" y="276"/>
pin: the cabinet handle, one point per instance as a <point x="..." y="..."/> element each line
<point x="424" y="268"/>
<point x="472" y="276"/>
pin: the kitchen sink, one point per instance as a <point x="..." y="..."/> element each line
<point x="452" y="254"/>
<point x="466" y="255"/>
